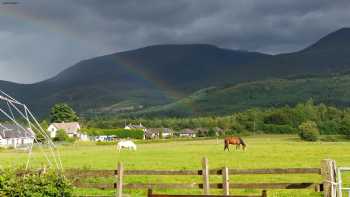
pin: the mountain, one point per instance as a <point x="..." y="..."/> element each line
<point x="163" y="74"/>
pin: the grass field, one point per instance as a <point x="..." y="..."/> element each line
<point x="264" y="151"/>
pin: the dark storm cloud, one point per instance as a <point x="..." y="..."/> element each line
<point x="39" y="38"/>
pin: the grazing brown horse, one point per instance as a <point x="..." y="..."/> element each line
<point x="235" y="141"/>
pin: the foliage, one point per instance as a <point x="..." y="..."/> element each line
<point x="61" y="136"/>
<point x="63" y="113"/>
<point x="50" y="184"/>
<point x="345" y="126"/>
<point x="119" y="133"/>
<point x="278" y="120"/>
<point x="309" y="131"/>
<point x="211" y="133"/>
<point x="278" y="129"/>
<point x="39" y="134"/>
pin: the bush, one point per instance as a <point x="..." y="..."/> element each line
<point x="50" y="184"/>
<point x="345" y="126"/>
<point x="278" y="129"/>
<point x="329" y="127"/>
<point x="61" y="136"/>
<point x="309" y="131"/>
<point x="119" y="133"/>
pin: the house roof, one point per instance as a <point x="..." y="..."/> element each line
<point x="14" y="131"/>
<point x="157" y="130"/>
<point x="140" y="126"/>
<point x="69" y="127"/>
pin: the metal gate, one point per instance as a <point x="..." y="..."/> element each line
<point x="339" y="183"/>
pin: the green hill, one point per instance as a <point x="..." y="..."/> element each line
<point x="333" y="90"/>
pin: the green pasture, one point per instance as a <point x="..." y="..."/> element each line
<point x="264" y="151"/>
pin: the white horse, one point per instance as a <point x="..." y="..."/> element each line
<point x="126" y="144"/>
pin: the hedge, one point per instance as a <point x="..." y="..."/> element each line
<point x="119" y="133"/>
<point x="51" y="184"/>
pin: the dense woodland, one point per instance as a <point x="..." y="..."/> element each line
<point x="281" y="120"/>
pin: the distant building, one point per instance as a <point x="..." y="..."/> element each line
<point x="105" y="138"/>
<point x="153" y="133"/>
<point x="12" y="135"/>
<point x="201" y="132"/>
<point x="72" y="129"/>
<point x="135" y="127"/>
<point x="167" y="132"/>
<point x="187" y="133"/>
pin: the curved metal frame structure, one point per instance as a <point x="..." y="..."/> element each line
<point x="47" y="148"/>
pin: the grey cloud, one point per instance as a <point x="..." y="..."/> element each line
<point x="39" y="38"/>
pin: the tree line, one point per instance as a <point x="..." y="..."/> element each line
<point x="274" y="120"/>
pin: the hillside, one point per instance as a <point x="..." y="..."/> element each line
<point x="333" y="90"/>
<point x="136" y="79"/>
<point x="158" y="75"/>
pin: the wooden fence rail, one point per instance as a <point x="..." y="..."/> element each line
<point x="108" y="173"/>
<point x="205" y="186"/>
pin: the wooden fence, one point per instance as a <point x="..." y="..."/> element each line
<point x="326" y="171"/>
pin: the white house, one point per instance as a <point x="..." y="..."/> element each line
<point x="187" y="133"/>
<point x="72" y="129"/>
<point x="153" y="133"/>
<point x="12" y="135"/>
<point x="167" y="132"/>
<point x="138" y="127"/>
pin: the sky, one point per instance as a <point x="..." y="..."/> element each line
<point x="40" y="38"/>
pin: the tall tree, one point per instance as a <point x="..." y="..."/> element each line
<point x="63" y="113"/>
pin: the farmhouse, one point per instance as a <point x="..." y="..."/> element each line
<point x="153" y="133"/>
<point x="135" y="127"/>
<point x="187" y="133"/>
<point x="14" y="136"/>
<point x="72" y="129"/>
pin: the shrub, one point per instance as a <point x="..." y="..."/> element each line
<point x="211" y="132"/>
<point x="278" y="129"/>
<point x="345" y="126"/>
<point x="329" y="127"/>
<point x="119" y="133"/>
<point x="50" y="184"/>
<point x="61" y="136"/>
<point x="309" y="131"/>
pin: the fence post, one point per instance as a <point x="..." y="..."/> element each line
<point x="225" y="181"/>
<point x="328" y="174"/>
<point x="264" y="193"/>
<point x="119" y="176"/>
<point x="205" y="173"/>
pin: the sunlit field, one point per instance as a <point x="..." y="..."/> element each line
<point x="263" y="152"/>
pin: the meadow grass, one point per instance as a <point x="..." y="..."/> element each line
<point x="264" y="151"/>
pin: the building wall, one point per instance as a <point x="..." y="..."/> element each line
<point x="52" y="131"/>
<point x="15" y="142"/>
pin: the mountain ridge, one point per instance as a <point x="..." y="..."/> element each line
<point x="162" y="74"/>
